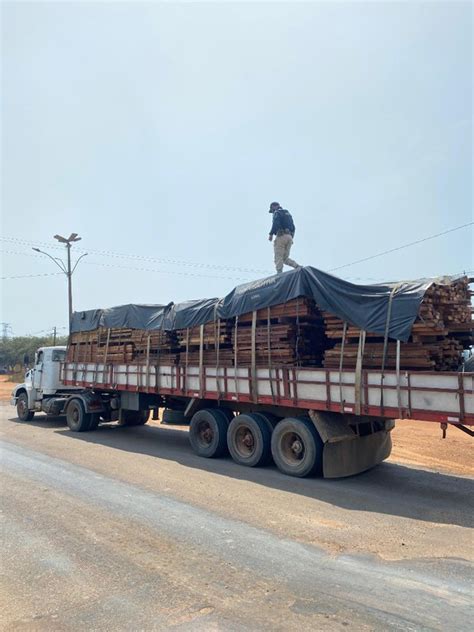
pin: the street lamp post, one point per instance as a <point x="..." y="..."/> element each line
<point x="67" y="270"/>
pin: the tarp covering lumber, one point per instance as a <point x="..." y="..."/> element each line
<point x="365" y="306"/>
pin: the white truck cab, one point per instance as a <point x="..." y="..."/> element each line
<point x="84" y="407"/>
<point x="46" y="372"/>
<point x="42" y="383"/>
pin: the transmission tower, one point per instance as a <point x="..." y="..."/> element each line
<point x="6" y="330"/>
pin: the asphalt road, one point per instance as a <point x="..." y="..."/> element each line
<point x="126" y="529"/>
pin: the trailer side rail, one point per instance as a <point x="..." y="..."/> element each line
<point x="430" y="396"/>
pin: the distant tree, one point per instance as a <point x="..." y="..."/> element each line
<point x="13" y="350"/>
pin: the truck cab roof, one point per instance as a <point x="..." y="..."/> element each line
<point x="58" y="347"/>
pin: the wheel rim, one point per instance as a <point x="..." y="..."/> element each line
<point x="22" y="407"/>
<point x="205" y="433"/>
<point x="244" y="441"/>
<point x="75" y="416"/>
<point x="292" y="448"/>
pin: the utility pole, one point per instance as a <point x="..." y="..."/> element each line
<point x="54" y="336"/>
<point x="66" y="269"/>
<point x="69" y="278"/>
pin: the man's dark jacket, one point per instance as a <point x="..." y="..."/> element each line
<point x="282" y="221"/>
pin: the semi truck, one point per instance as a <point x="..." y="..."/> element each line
<point x="308" y="419"/>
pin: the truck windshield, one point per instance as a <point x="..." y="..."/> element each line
<point x="59" y="355"/>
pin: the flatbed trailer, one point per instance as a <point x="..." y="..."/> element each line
<point x="335" y="423"/>
<point x="328" y="421"/>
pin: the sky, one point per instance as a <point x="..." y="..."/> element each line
<point x="161" y="132"/>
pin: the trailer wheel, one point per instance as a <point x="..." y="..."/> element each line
<point x="297" y="448"/>
<point x="249" y="440"/>
<point x="135" y="417"/>
<point x="94" y="423"/>
<point x="270" y="420"/>
<point x="227" y="412"/>
<point x="24" y="414"/>
<point x="208" y="433"/>
<point x="76" y="417"/>
<point x="174" y="417"/>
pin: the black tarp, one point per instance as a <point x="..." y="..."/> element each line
<point x="365" y="306"/>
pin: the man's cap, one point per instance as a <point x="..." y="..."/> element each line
<point x="274" y="206"/>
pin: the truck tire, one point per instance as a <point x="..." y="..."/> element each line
<point x="94" y="423"/>
<point x="249" y="440"/>
<point x="135" y="417"/>
<point x="297" y="448"/>
<point x="208" y="433"/>
<point x="270" y="420"/>
<point x="227" y="412"/>
<point x="175" y="417"/>
<point x="76" y="417"/>
<point x="24" y="414"/>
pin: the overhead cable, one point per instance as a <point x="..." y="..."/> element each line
<point x="109" y="253"/>
<point x="30" y="276"/>
<point x="413" y="243"/>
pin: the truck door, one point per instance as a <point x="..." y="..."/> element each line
<point x="38" y="374"/>
<point x="53" y="359"/>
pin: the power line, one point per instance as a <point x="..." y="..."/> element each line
<point x="413" y="243"/>
<point x="97" y="263"/>
<point x="27" y="254"/>
<point x="29" y="276"/>
<point x="110" y="265"/>
<point x="215" y="266"/>
<point x="109" y="253"/>
<point x="190" y="274"/>
<point x="16" y="252"/>
<point x="46" y="331"/>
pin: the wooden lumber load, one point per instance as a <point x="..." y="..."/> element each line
<point x="216" y="340"/>
<point x="442" y="329"/>
<point x="295" y="333"/>
<point x="122" y="345"/>
<point x="287" y="334"/>
<point x="291" y="333"/>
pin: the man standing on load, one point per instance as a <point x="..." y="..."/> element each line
<point x="284" y="230"/>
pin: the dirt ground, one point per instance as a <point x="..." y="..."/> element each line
<point x="421" y="443"/>
<point x="414" y="442"/>
<point x="6" y="388"/>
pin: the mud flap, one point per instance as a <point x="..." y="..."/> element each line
<point x="353" y="456"/>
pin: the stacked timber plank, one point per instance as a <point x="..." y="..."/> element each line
<point x="442" y="329"/>
<point x="287" y="334"/>
<point x="123" y="345"/>
<point x="216" y="341"/>
<point x="295" y="333"/>
<point x="291" y="333"/>
<point x="283" y="343"/>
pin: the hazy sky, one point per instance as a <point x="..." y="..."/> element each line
<point x="164" y="130"/>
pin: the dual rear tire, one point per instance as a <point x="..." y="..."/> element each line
<point x="174" y="418"/>
<point x="78" y="419"/>
<point x="253" y="439"/>
<point x="134" y="417"/>
<point x="297" y="448"/>
<point x="207" y="433"/>
<point x="249" y="439"/>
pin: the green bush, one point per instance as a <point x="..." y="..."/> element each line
<point x="13" y="350"/>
